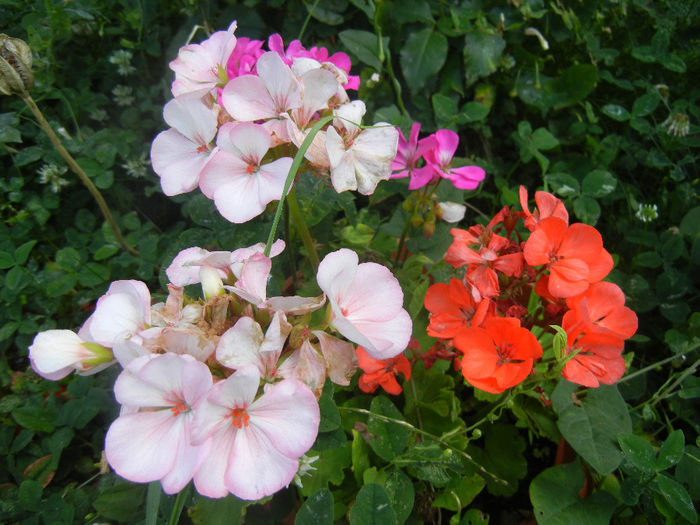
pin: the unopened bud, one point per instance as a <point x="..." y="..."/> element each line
<point x="15" y="66"/>
<point x="211" y="282"/>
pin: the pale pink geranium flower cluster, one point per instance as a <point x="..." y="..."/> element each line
<point x="240" y="113"/>
<point x="430" y="159"/>
<point x="222" y="391"/>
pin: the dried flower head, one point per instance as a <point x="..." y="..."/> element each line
<point x="15" y="66"/>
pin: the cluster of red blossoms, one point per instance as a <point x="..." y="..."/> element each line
<point x="511" y="284"/>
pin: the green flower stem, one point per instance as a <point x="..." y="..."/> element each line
<point x="298" y="218"/>
<point x="78" y="171"/>
<point x="426" y="434"/>
<point x="655" y="365"/>
<point x="298" y="159"/>
<point x="180" y="500"/>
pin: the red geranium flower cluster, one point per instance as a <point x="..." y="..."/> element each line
<point x="485" y="312"/>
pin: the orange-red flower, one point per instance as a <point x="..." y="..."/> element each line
<point x="602" y="309"/>
<point x="382" y="372"/>
<point x="452" y="309"/>
<point x="573" y="254"/>
<point x="498" y="356"/>
<point x="599" y="359"/>
<point x="547" y="206"/>
<point x="482" y="251"/>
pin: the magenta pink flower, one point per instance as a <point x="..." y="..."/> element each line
<point x="152" y="438"/>
<point x="440" y="157"/>
<point x="408" y="155"/>
<point x="245" y="55"/>
<point x="255" y="443"/>
<point x="236" y="179"/>
<point x="366" y="302"/>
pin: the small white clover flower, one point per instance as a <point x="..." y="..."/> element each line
<point x="677" y="124"/>
<point x="99" y="115"/>
<point x="647" y="212"/>
<point x="122" y="59"/>
<point x="51" y="174"/>
<point x="137" y="167"/>
<point x="123" y="95"/>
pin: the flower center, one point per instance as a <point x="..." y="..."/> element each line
<point x="179" y="409"/>
<point x="202" y="148"/>
<point x="252" y="168"/>
<point x="239" y="417"/>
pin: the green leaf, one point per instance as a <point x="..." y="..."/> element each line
<point x="320" y="12"/>
<point x="388" y="440"/>
<point x="475" y="111"/>
<point x="363" y="45"/>
<point x="591" y="425"/>
<point x="68" y="259"/>
<point x="446" y="112"/>
<point x="6" y="260"/>
<point x="153" y="502"/>
<point x="422" y="56"/>
<point x="224" y="511"/>
<point x="16" y="279"/>
<point x="372" y="507"/>
<point x="616" y="112"/>
<point x="563" y="184"/>
<point x="598" y="183"/>
<point x="360" y="455"/>
<point x="671" y="451"/>
<point x="459" y="492"/>
<point x="29" y="494"/>
<point x="638" y="452"/>
<point x="482" y="50"/>
<point x="676" y="495"/>
<point x="330" y="417"/>
<point x="645" y="104"/>
<point x="316" y="510"/>
<point x="690" y="224"/>
<point x="587" y="209"/>
<point x="330" y="468"/>
<point x="572" y="86"/>
<point x="401" y="494"/>
<point x="674" y="63"/>
<point x="542" y="139"/>
<point x="648" y="260"/>
<point x="554" y="496"/>
<point x="429" y="462"/>
<point x="22" y="253"/>
<point x="8" y="128"/>
<point x="122" y="502"/>
<point x="503" y="456"/>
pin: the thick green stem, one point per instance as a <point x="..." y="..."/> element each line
<point x="298" y="218"/>
<point x="298" y="159"/>
<point x="79" y="172"/>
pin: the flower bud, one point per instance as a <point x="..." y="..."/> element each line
<point x="451" y="211"/>
<point x="15" y="66"/>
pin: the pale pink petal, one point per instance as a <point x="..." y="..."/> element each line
<point x="296" y="305"/>
<point x="309" y="368"/>
<point x="178" y="162"/>
<point x="240" y="345"/>
<point x="192" y="118"/>
<point x="389" y="338"/>
<point x="245" y="98"/>
<point x="209" y="478"/>
<point x="256" y="469"/>
<point x="142" y="447"/>
<point x="56" y="353"/>
<point x="246" y="140"/>
<point x="336" y="272"/>
<point x="223" y="168"/>
<point x="253" y="278"/>
<point x="341" y="358"/>
<point x="280" y="82"/>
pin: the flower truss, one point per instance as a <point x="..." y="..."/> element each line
<point x="487" y="310"/>
<point x="240" y="114"/>
<point x="222" y="391"/>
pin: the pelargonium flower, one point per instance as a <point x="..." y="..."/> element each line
<point x="152" y="438"/>
<point x="255" y="443"/>
<point x="56" y="353"/>
<point x="598" y="359"/>
<point x="359" y="159"/>
<point x="122" y="312"/>
<point x="547" y="206"/>
<point x="178" y="155"/>
<point x="601" y="308"/>
<point x="203" y="66"/>
<point x="452" y="308"/>
<point x="573" y="254"/>
<point x="236" y="179"/>
<point x="408" y="153"/>
<point x="382" y="373"/>
<point x="244" y="56"/>
<point x="440" y="158"/>
<point x="498" y="356"/>
<point x="366" y="303"/>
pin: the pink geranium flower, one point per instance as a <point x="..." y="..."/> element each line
<point x="366" y="302"/>
<point x="440" y="157"/>
<point x="151" y="439"/>
<point x="359" y="159"/>
<point x="203" y="66"/>
<point x="408" y="154"/>
<point x="236" y="178"/>
<point x="255" y="443"/>
<point x="178" y="155"/>
<point x="56" y="353"/>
